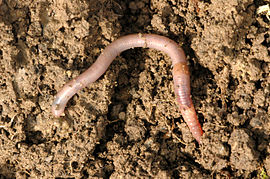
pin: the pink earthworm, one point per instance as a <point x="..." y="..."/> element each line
<point x="181" y="76"/>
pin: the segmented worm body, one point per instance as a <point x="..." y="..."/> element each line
<point x="181" y="75"/>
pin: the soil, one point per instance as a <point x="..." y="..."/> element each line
<point x="127" y="124"/>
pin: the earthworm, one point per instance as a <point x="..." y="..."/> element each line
<point x="181" y="76"/>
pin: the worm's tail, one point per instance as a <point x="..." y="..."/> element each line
<point x="181" y="78"/>
<point x="190" y="117"/>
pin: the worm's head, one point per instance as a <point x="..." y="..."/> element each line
<point x="58" y="107"/>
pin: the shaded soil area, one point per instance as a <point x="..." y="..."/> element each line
<point x="127" y="124"/>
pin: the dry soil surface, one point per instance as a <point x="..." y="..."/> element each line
<point x="127" y="124"/>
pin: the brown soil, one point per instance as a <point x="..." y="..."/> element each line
<point x="127" y="125"/>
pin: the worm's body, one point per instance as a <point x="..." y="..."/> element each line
<point x="180" y="75"/>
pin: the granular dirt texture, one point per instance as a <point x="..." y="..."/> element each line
<point x="127" y="124"/>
